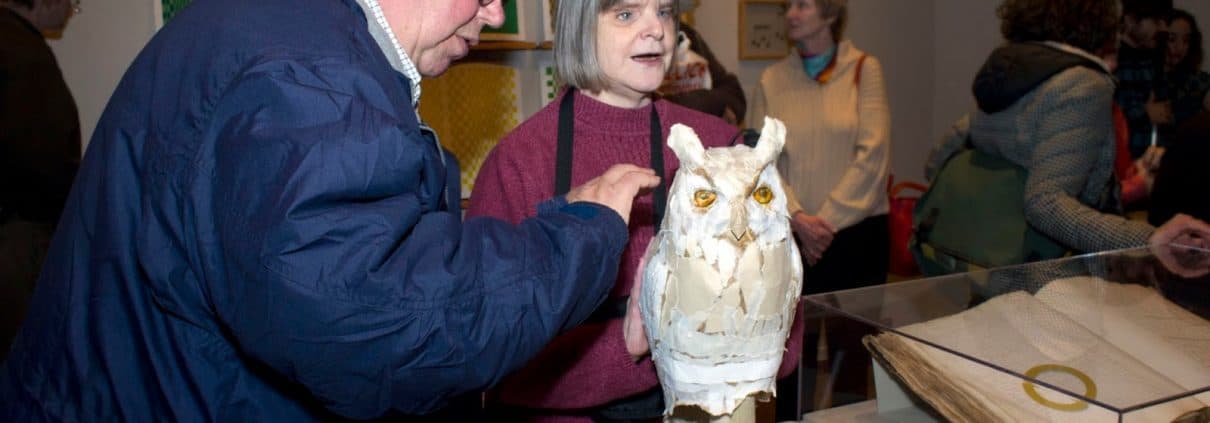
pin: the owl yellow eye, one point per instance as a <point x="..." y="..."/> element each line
<point x="703" y="198"/>
<point x="763" y="195"/>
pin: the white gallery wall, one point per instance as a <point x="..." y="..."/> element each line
<point x="97" y="47"/>
<point x="930" y="50"/>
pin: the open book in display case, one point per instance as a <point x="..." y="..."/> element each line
<point x="1120" y="336"/>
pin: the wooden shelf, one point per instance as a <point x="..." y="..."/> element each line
<point x="493" y="45"/>
<point x="505" y="45"/>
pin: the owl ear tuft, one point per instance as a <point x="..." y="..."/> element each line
<point x="685" y="143"/>
<point x="772" y="139"/>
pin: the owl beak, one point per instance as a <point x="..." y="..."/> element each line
<point x="739" y="236"/>
<point x="739" y="226"/>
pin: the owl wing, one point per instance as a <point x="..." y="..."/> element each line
<point x="653" y="272"/>
<point x="796" y="277"/>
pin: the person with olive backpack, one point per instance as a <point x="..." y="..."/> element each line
<point x="1028" y="176"/>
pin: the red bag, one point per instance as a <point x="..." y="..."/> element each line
<point x="900" y="223"/>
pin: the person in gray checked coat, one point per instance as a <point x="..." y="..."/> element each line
<point x="1044" y="103"/>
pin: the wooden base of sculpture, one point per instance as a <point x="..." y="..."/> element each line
<point x="744" y="413"/>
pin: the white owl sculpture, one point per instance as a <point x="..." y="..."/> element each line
<point x="723" y="275"/>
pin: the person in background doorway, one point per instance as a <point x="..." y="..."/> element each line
<point x="1140" y="66"/>
<point x="1184" y="86"/>
<point x="1133" y="175"/>
<point x="39" y="149"/>
<point x="1185" y="83"/>
<point x="832" y="98"/>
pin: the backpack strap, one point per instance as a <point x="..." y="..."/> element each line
<point x="857" y="74"/>
<point x="747" y="136"/>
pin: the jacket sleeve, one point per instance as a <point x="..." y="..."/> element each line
<point x="340" y="272"/>
<point x="1072" y="125"/>
<point x="855" y="196"/>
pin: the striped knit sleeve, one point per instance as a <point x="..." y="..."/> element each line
<point x="1072" y="124"/>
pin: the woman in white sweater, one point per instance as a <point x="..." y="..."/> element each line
<point x="837" y="156"/>
<point x="836" y="161"/>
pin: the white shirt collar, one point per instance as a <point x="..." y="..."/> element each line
<point x="380" y="29"/>
<point x="1078" y="52"/>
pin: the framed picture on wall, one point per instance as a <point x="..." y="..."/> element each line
<point x="762" y="29"/>
<point x="548" y="20"/>
<point x="516" y="25"/>
<point x="165" y="9"/>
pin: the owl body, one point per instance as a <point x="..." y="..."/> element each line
<point x="723" y="276"/>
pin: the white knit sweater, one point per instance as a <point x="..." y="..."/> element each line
<point x="838" y="150"/>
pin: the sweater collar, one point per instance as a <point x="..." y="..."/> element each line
<point x="843" y="56"/>
<point x="380" y="29"/>
<point x="821" y="66"/>
<point x="595" y="114"/>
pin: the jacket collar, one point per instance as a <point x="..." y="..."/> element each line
<point x="1014" y="70"/>
<point x="1067" y="48"/>
<point x="380" y="29"/>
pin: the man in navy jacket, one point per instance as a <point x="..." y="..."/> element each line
<point x="262" y="230"/>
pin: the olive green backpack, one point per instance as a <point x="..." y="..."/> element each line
<point x="973" y="217"/>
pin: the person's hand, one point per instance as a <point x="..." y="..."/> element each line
<point x="814" y="232"/>
<point x="1170" y="242"/>
<point x="1151" y="158"/>
<point x="632" y="323"/>
<point x="1147" y="165"/>
<point x="729" y="116"/>
<point x="1160" y="112"/>
<point x="616" y="188"/>
<point x="1184" y="230"/>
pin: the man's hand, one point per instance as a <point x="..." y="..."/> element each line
<point x="1182" y="230"/>
<point x="814" y="232"/>
<point x="616" y="188"/>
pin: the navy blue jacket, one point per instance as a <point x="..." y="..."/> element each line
<point x="261" y="231"/>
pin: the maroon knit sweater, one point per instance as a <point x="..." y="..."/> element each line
<point x="588" y="366"/>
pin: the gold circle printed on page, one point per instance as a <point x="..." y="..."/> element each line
<point x="1090" y="387"/>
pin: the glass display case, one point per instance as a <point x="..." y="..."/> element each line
<point x="1120" y="336"/>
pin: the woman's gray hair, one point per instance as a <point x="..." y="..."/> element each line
<point x="575" y="44"/>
